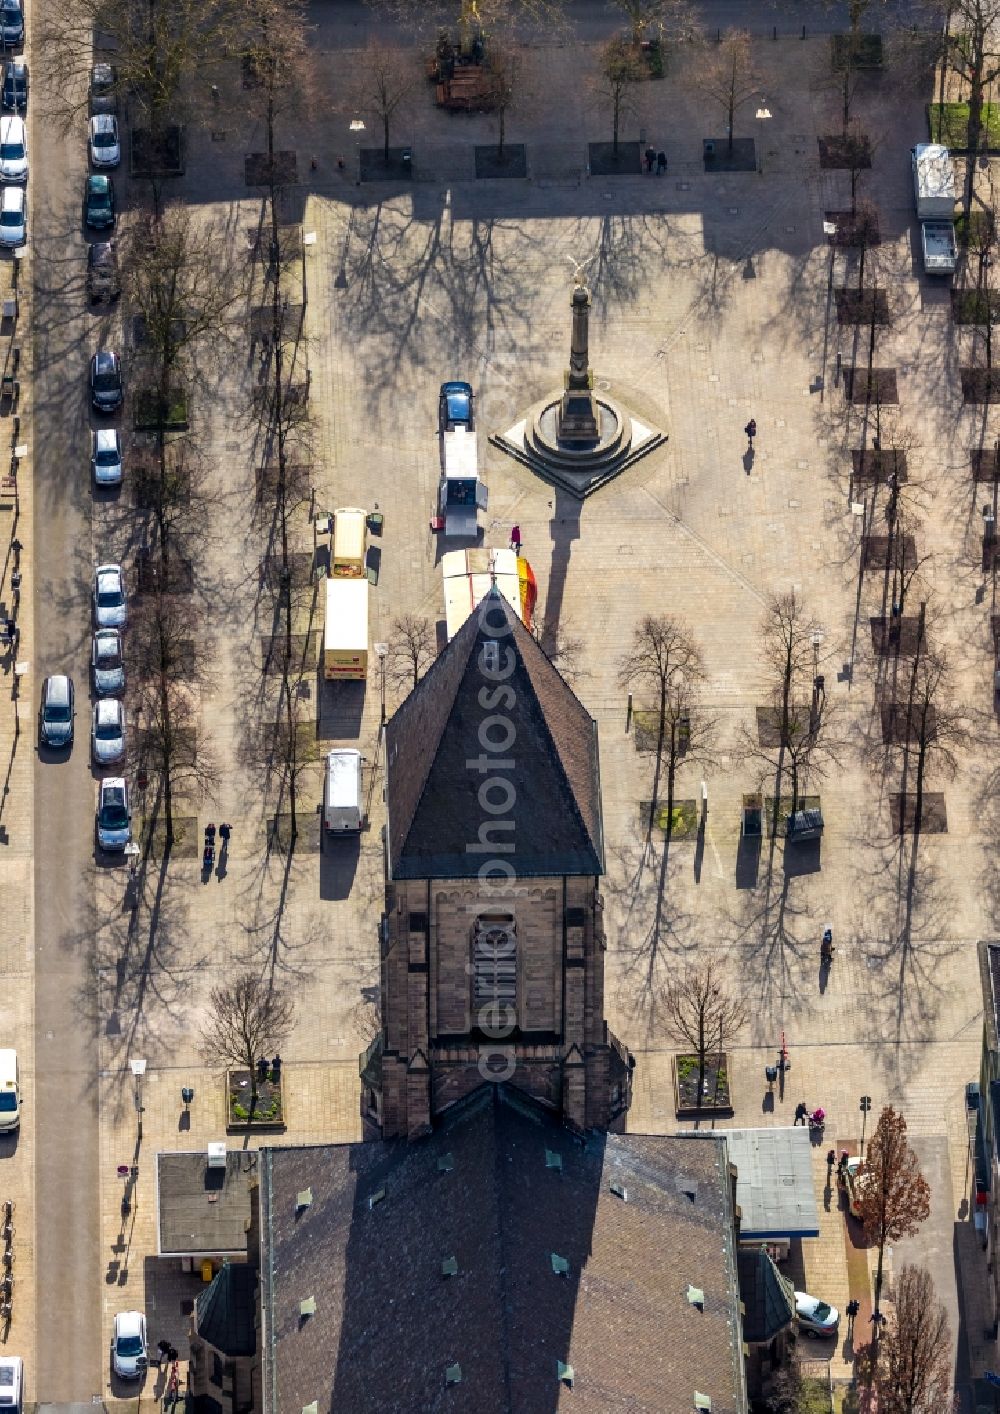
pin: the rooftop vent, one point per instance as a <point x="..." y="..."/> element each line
<point x="307" y="1307"/>
<point x="449" y="1267"/>
<point x="376" y="1197"/>
<point x="553" y="1160"/>
<point x="445" y="1163"/>
<point x="216" y="1156"/>
<point x="619" y="1190"/>
<point x="687" y="1186"/>
<point x="303" y="1199"/>
<point x="696" y="1297"/>
<point x="453" y="1375"/>
<point x="564" y="1373"/>
<point x="491" y="656"/>
<point x="559" y="1265"/>
<point x="702" y="1401"/>
<point x="312" y="1408"/>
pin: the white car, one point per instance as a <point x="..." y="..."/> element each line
<point x="13" y="217"/>
<point x="105" y="148"/>
<point x="107" y="741"/>
<point x="106" y="456"/>
<point x="128" y="1345"/>
<point x="110" y="604"/>
<point x="13" y="148"/>
<point x="11" y="1374"/>
<point x="816" y="1317"/>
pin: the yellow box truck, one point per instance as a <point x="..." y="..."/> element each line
<point x="345" y="632"/>
<point x="350" y="542"/>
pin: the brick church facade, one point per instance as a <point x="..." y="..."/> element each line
<point x="492" y="940"/>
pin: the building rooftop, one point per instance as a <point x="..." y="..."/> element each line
<point x="500" y="1264"/>
<point x="203" y="1211"/>
<point x="225" y="1312"/>
<point x="433" y="787"/>
<point x="774" y="1182"/>
<point x="768" y="1297"/>
<point x="989" y="969"/>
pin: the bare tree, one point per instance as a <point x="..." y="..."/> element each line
<point x="789" y="736"/>
<point x="659" y="19"/>
<point x="621" y="69"/>
<point x="974" y="55"/>
<point x="893" y="1195"/>
<point x="726" y="74"/>
<point x="909" y="1369"/>
<point x="166" y="659"/>
<point x="386" y="82"/>
<point x="665" y="662"/>
<point x="281" y="746"/>
<point x="502" y="80"/>
<point x="701" y="1014"/>
<point x="249" y="1017"/>
<point x="412" y="649"/>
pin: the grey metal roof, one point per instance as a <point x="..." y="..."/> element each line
<point x="774" y="1182"/>
<point x="203" y="1212"/>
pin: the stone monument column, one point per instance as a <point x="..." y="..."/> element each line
<point x="578" y="420"/>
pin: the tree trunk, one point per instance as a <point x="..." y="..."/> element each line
<point x="502" y="120"/>
<point x="617" y="117"/>
<point x="848" y="65"/>
<point x="166" y="744"/>
<point x="702" y="1052"/>
<point x="978" y="50"/>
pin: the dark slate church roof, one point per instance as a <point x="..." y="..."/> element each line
<point x="435" y="812"/>
<point x="225" y="1310"/>
<point x="769" y="1298"/>
<point x="494" y="1249"/>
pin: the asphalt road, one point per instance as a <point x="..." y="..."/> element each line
<point x="69" y="1344"/>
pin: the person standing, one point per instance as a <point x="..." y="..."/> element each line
<point x="661" y="163"/>
<point x="515" y="539"/>
<point x="801" y="1112"/>
<point x="751" y="431"/>
<point x="650" y="156"/>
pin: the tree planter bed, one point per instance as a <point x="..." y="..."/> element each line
<point x="980" y="385"/>
<point x="716" y="1097"/>
<point x="685" y="818"/>
<point x="933" y="815"/>
<point x="869" y="467"/>
<point x="268" y="1109"/>
<point x="854" y="229"/>
<point x="859" y="306"/>
<point x="840" y="151"/>
<point x="870" y="385"/>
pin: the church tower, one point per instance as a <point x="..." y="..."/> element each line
<point x="492" y="940"/>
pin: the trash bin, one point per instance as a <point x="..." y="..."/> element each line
<point x="804" y="825"/>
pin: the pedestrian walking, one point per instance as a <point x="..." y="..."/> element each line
<point x="852" y="1308"/>
<point x="515" y="539"/>
<point x="661" y="163"/>
<point x="224" y="832"/>
<point x="842" y="1165"/>
<point x="751" y="431"/>
<point x="650" y="155"/>
<point x="831" y="1159"/>
<point x="801" y="1112"/>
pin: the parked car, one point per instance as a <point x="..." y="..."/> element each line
<point x="114" y="826"/>
<point x="106" y="388"/>
<point x="55" y="722"/>
<point x="14" y="94"/>
<point x="128" y="1345"/>
<point x="106" y="661"/>
<point x="816" y="1317"/>
<point x="106" y="457"/>
<point x="11" y="1381"/>
<point x="105" y="149"/>
<point x="110" y="604"/>
<point x="10" y="1103"/>
<point x="103" y="89"/>
<point x="13" y="148"/>
<point x="107" y="736"/>
<point x="13" y="216"/>
<point x="98" y="202"/>
<point x="455" y="407"/>
<point x="11" y="24"/>
<point x="103" y="278"/>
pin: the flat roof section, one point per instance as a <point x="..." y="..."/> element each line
<point x="203" y="1211"/>
<point x="774" y="1182"/>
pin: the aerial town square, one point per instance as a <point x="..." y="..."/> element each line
<point x="500" y="833"/>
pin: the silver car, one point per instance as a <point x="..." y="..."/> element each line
<point x="13" y="148"/>
<point x="110" y="604"/>
<point x="107" y="737"/>
<point x="105" y="149"/>
<point x="106" y="662"/>
<point x="13" y="216"/>
<point x="114" y="817"/>
<point x="106" y="457"/>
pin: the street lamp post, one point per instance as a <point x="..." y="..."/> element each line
<point x="358" y="127"/>
<point x="138" y="1069"/>
<point x="763" y="113"/>
<point x="866" y="1104"/>
<point x="381" y="653"/>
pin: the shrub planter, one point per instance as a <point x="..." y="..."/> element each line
<point x="948" y="123"/>
<point x="867" y="51"/>
<point x="975" y="306"/>
<point x="684" y="821"/>
<point x="980" y="385"/>
<point x="151" y="416"/>
<point x="157" y="156"/>
<point x="269" y="1112"/>
<point x="715" y="1098"/>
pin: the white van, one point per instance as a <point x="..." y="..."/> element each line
<point x="342" y="809"/>
<point x="10" y="1091"/>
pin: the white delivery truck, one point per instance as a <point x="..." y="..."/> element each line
<point x="935" y="193"/>
<point x="461" y="494"/>
<point x="342" y="800"/>
<point x="345" y="631"/>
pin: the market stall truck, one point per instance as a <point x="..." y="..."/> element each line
<point x="345" y="630"/>
<point x="935" y="192"/>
